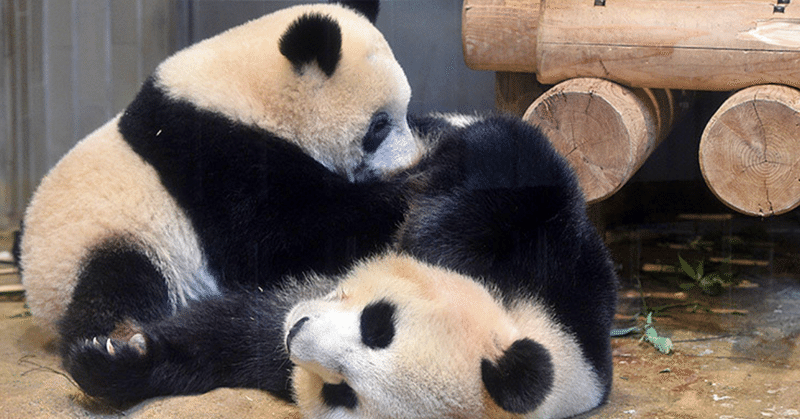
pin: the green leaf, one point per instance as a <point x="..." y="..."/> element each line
<point x="700" y="270"/>
<point x="711" y="284"/>
<point x="664" y="345"/>
<point x="651" y="332"/>
<point x="686" y="286"/>
<point x="686" y="267"/>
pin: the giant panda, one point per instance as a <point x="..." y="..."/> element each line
<point x="258" y="154"/>
<point x="496" y="300"/>
<point x="203" y="237"/>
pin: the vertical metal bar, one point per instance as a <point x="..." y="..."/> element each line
<point x="21" y="112"/>
<point x="7" y="179"/>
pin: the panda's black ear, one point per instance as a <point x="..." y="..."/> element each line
<point x="313" y="37"/>
<point x="368" y="8"/>
<point x="521" y="378"/>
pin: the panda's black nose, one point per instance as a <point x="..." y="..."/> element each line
<point x="293" y="332"/>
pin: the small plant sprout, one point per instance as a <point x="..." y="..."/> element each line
<point x="663" y="344"/>
<point x="649" y="335"/>
<point x="710" y="284"/>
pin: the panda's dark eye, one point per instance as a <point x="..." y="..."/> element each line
<point x="377" y="324"/>
<point x="379" y="128"/>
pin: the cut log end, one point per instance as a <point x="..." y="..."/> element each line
<point x="750" y="151"/>
<point x="604" y="130"/>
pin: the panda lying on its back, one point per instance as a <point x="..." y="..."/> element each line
<point x="496" y="303"/>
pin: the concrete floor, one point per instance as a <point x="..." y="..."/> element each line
<point x="734" y="355"/>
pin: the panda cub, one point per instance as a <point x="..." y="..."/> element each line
<point x="261" y="153"/>
<point x="496" y="301"/>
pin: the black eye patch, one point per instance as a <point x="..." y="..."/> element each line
<point x="379" y="128"/>
<point x="377" y="324"/>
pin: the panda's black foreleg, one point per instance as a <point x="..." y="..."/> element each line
<point x="235" y="340"/>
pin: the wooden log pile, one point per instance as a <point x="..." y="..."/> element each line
<point x="617" y="66"/>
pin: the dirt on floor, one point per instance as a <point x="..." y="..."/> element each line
<point x="736" y="361"/>
<point x="734" y="356"/>
<point x="33" y="385"/>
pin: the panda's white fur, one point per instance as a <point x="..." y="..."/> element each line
<point x="446" y="323"/>
<point x="253" y="84"/>
<point x="243" y="159"/>
<point x="161" y="247"/>
<point x="458" y="120"/>
<point x="102" y="188"/>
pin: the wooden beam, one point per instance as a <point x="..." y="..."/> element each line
<point x="11" y="289"/>
<point x="689" y="44"/>
<point x="500" y="35"/>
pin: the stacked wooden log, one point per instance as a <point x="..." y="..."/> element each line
<point x="605" y="131"/>
<point x="750" y="150"/>
<point x="616" y="66"/>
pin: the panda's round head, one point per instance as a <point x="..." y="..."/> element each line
<point x="320" y="76"/>
<point x="399" y="338"/>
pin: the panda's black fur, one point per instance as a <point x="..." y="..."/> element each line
<point x="255" y="190"/>
<point x="491" y="200"/>
<point x="300" y="44"/>
<point x="503" y="206"/>
<point x="508" y="208"/>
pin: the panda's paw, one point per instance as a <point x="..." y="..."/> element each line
<point x="137" y="342"/>
<point x="115" y="370"/>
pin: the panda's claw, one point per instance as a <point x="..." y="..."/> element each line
<point x="112" y="369"/>
<point x="139" y="343"/>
